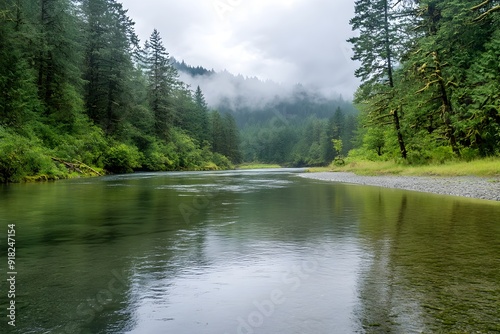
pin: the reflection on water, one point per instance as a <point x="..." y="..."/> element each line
<point x="249" y="252"/>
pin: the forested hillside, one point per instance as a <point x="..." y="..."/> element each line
<point x="80" y="94"/>
<point x="290" y="125"/>
<point x="431" y="79"/>
<point x="297" y="130"/>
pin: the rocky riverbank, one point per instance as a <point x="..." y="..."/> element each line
<point x="466" y="186"/>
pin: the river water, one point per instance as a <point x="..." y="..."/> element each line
<point x="247" y="252"/>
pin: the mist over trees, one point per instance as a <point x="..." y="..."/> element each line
<point x="430" y="88"/>
<point x="287" y="124"/>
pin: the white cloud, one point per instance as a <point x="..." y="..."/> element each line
<point x="282" y="40"/>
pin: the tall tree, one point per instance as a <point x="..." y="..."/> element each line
<point x="225" y="136"/>
<point x="18" y="92"/>
<point x="203" y="133"/>
<point x="56" y="57"/>
<point x="232" y="139"/>
<point x="162" y="78"/>
<point x="110" y="42"/>
<point x="377" y="49"/>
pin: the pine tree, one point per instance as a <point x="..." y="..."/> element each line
<point x="377" y="48"/>
<point x="56" y="57"/>
<point x="162" y="78"/>
<point x="110" y="43"/>
<point x="217" y="132"/>
<point x="203" y="133"/>
<point x="18" y="92"/>
<point x="231" y="139"/>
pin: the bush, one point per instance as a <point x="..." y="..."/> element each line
<point x="442" y="154"/>
<point x="222" y="161"/>
<point x="469" y="154"/>
<point x="22" y="158"/>
<point x="87" y="145"/>
<point x="160" y="157"/>
<point x="122" y="158"/>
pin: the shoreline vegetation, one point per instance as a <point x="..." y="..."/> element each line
<point x="482" y="168"/>
<point x="257" y="166"/>
<point x="477" y="179"/>
<point x="487" y="167"/>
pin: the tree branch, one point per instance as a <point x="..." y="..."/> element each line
<point x="482" y="16"/>
<point x="481" y="5"/>
<point x="427" y="86"/>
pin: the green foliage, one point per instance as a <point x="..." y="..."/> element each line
<point x="374" y="139"/>
<point x="122" y="158"/>
<point x="20" y="158"/>
<point x="75" y="90"/>
<point x="162" y="77"/>
<point x="221" y="161"/>
<point x="337" y="145"/>
<point x="160" y="157"/>
<point x="297" y="141"/>
<point x="445" y="89"/>
<point x="225" y="136"/>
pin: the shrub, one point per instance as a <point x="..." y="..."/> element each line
<point x="469" y="154"/>
<point x="22" y="158"/>
<point x="160" y="157"/>
<point x="122" y="158"/>
<point x="222" y="161"/>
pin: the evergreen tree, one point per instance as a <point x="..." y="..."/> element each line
<point x="225" y="136"/>
<point x="231" y="139"/>
<point x="18" y="92"/>
<point x="202" y="121"/>
<point x="162" y="78"/>
<point x="336" y="129"/>
<point x="56" y="58"/>
<point x="109" y="48"/>
<point x="377" y="49"/>
<point x="217" y="133"/>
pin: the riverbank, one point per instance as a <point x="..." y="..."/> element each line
<point x="257" y="166"/>
<point x="487" y="188"/>
<point x="488" y="167"/>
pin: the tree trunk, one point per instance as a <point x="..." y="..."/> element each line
<point x="401" y="142"/>
<point x="397" y="124"/>
<point x="446" y="108"/>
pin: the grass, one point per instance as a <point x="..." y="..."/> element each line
<point x="257" y="166"/>
<point x="489" y="167"/>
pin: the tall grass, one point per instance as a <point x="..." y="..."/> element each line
<point x="488" y="167"/>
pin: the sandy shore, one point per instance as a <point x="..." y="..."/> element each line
<point x="466" y="186"/>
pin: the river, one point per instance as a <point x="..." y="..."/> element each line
<point x="247" y="252"/>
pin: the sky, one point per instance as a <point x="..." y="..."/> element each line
<point x="287" y="41"/>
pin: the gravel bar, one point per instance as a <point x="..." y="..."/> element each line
<point x="466" y="186"/>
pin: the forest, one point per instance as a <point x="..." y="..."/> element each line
<point x="80" y="95"/>
<point x="286" y="124"/>
<point x="430" y="77"/>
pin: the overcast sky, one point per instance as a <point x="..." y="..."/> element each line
<point x="288" y="41"/>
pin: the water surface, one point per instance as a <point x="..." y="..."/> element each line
<point x="248" y="252"/>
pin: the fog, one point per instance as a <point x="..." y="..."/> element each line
<point x="239" y="92"/>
